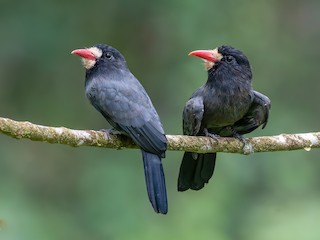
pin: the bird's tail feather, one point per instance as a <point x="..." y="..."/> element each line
<point x="195" y="170"/>
<point x="156" y="186"/>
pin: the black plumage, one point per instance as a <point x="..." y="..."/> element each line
<point x="226" y="105"/>
<point x="115" y="92"/>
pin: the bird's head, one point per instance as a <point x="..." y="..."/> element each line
<point x="100" y="54"/>
<point x="224" y="58"/>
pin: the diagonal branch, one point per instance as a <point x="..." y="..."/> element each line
<point x="77" y="138"/>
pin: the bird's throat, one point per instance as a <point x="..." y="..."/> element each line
<point x="88" y="63"/>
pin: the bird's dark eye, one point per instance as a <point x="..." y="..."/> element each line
<point x="229" y="58"/>
<point x="109" y="55"/>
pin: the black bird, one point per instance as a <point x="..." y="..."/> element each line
<point x="226" y="105"/>
<point x="115" y="92"/>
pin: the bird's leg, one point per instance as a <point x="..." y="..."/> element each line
<point x="210" y="135"/>
<point x="239" y="137"/>
<point x="247" y="148"/>
<point x="207" y="134"/>
<point x="109" y="132"/>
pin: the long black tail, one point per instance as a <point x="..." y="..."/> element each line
<point x="195" y="170"/>
<point x="156" y="186"/>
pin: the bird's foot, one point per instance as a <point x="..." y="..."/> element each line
<point x="211" y="135"/>
<point x="109" y="132"/>
<point x="239" y="137"/>
<point x="247" y="147"/>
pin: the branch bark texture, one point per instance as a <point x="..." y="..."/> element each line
<point x="77" y="138"/>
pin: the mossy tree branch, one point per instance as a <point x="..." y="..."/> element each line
<point x="77" y="138"/>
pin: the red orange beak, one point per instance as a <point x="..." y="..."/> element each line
<point x="84" y="53"/>
<point x="209" y="55"/>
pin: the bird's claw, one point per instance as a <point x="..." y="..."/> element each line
<point x="239" y="137"/>
<point x="247" y="147"/>
<point x="109" y="132"/>
<point x="211" y="135"/>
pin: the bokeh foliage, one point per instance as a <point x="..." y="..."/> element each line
<point x="57" y="192"/>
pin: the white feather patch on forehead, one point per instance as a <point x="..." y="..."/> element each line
<point x="96" y="51"/>
<point x="88" y="63"/>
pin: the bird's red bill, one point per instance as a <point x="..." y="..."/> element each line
<point x="84" y="53"/>
<point x="204" y="54"/>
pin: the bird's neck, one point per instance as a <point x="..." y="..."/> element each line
<point x="222" y="84"/>
<point x="217" y="78"/>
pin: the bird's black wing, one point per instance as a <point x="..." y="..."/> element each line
<point x="126" y="105"/>
<point x="192" y="116"/>
<point x="195" y="169"/>
<point x="256" y="116"/>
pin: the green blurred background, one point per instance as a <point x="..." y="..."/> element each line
<point x="58" y="192"/>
